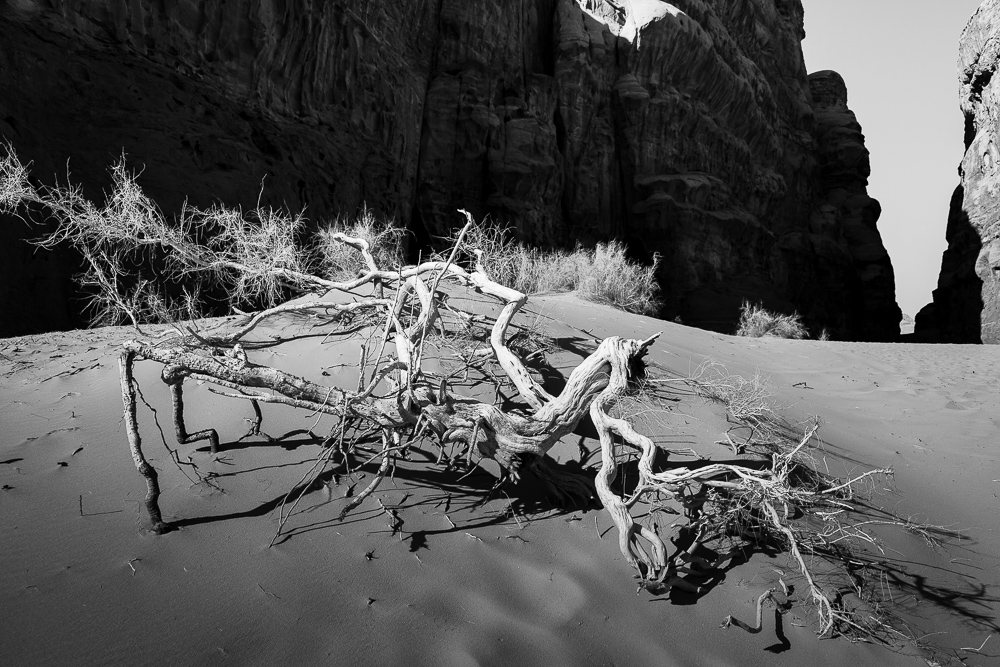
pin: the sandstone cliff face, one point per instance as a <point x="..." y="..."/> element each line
<point x="966" y="307"/>
<point x="844" y="216"/>
<point x="685" y="128"/>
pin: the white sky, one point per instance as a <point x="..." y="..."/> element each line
<point x="899" y="59"/>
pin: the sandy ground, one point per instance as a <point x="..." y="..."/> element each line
<point x="464" y="582"/>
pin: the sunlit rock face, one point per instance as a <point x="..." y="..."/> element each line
<point x="687" y="129"/>
<point x="966" y="307"/>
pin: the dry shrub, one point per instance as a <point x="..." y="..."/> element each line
<point x="756" y="322"/>
<point x="342" y="262"/>
<point x="13" y="180"/>
<point x="610" y="277"/>
<point x="252" y="254"/>
<point x="259" y="257"/>
<point x="747" y="400"/>
<point x="141" y="266"/>
<point x="603" y="274"/>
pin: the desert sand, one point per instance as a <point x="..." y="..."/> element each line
<point x="513" y="580"/>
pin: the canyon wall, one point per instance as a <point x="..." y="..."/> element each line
<point x="845" y="216"/>
<point x="966" y="306"/>
<point x="688" y="129"/>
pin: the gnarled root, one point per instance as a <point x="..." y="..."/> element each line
<point x="176" y="383"/>
<point x="745" y="490"/>
<point x="758" y="626"/>
<point x="756" y="489"/>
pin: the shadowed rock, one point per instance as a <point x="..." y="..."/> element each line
<point x="685" y="128"/>
<point x="844" y="219"/>
<point x="966" y="307"/>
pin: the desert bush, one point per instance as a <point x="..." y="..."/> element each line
<point x="756" y="322"/>
<point x="603" y="274"/>
<point x="14" y="186"/>
<point x="141" y="267"/>
<point x="608" y="276"/>
<point x="120" y="243"/>
<point x="342" y="262"/>
<point x="258" y="258"/>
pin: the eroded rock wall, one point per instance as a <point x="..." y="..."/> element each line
<point x="966" y="307"/>
<point x="686" y="129"/>
<point x="844" y="217"/>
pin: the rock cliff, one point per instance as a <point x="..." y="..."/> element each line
<point x="687" y="128"/>
<point x="966" y="307"/>
<point x="845" y="214"/>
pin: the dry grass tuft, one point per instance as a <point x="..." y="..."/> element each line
<point x="756" y="322"/>
<point x="13" y="181"/>
<point x="603" y="274"/>
<point x="341" y="262"/>
<point x="610" y="277"/>
<point x="747" y="400"/>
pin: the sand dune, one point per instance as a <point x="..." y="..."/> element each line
<point x="461" y="582"/>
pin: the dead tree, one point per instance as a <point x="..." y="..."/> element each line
<point x="400" y="308"/>
<point x="410" y="399"/>
<point x="415" y="399"/>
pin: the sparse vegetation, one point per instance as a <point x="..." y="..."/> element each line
<point x="14" y="188"/>
<point x="603" y="274"/>
<point x="747" y="401"/>
<point x="610" y="277"/>
<point x="756" y="322"/>
<point x="141" y="267"/>
<point x="341" y="262"/>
